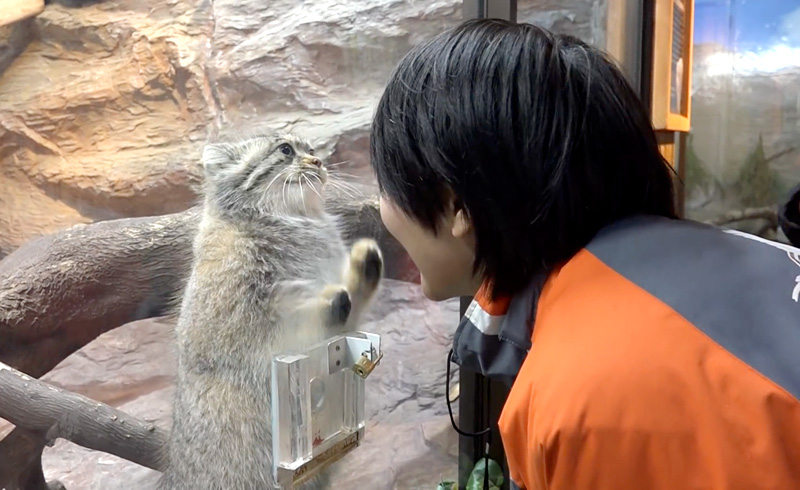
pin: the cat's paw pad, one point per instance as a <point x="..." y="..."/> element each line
<point x="339" y="305"/>
<point x="366" y="258"/>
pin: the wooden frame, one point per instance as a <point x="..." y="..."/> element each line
<point x="15" y="10"/>
<point x="672" y="65"/>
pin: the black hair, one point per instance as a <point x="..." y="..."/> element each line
<point x="537" y="136"/>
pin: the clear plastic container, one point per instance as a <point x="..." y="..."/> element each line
<point x="318" y="404"/>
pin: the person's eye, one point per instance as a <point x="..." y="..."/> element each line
<point x="286" y="149"/>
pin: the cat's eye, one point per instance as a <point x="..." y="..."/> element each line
<point x="286" y="149"/>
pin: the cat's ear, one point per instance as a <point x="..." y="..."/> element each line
<point x="217" y="157"/>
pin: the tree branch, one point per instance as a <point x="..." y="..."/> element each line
<point x="61" y="291"/>
<point x="781" y="153"/>
<point x="769" y="213"/>
<point x="40" y="408"/>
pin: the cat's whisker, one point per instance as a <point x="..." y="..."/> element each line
<point x="306" y="183"/>
<point x="319" y="181"/>
<point x="345" y="188"/>
<point x="343" y="183"/>
<point x="344" y="192"/>
<point x="302" y="194"/>
<point x="337" y="173"/>
<point x="317" y="178"/>
<point x="282" y="172"/>
<point x="283" y="192"/>
<point x="313" y="187"/>
<point x="336" y="164"/>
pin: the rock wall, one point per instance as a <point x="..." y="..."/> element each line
<point x="105" y="105"/>
<point x="585" y="19"/>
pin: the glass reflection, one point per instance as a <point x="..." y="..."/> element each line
<point x="743" y="149"/>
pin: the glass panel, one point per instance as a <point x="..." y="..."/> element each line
<point x="585" y="20"/>
<point x="105" y="108"/>
<point x="742" y="152"/>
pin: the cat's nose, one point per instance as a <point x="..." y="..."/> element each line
<point x="315" y="161"/>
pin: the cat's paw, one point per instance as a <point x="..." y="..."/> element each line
<point x="338" y="305"/>
<point x="366" y="261"/>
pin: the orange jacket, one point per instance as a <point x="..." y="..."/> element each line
<point x="664" y="356"/>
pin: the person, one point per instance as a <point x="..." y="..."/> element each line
<point x="789" y="217"/>
<point x="518" y="166"/>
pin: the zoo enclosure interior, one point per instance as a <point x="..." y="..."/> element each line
<point x="106" y="104"/>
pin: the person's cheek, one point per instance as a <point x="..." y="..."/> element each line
<point x="387" y="217"/>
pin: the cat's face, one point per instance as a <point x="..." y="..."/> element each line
<point x="276" y="173"/>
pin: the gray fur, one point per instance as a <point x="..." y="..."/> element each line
<point x="268" y="264"/>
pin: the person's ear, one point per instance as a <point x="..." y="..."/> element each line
<point x="462" y="224"/>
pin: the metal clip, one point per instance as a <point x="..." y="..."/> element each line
<point x="364" y="366"/>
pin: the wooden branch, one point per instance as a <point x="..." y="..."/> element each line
<point x="767" y="228"/>
<point x="40" y="408"/>
<point x="769" y="213"/>
<point x="779" y="154"/>
<point x="61" y="291"/>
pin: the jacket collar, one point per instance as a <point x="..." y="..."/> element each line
<point x="494" y="337"/>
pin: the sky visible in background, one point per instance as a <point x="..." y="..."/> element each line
<point x="763" y="35"/>
<point x="747" y="24"/>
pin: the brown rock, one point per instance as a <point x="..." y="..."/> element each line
<point x="102" y="115"/>
<point x="106" y="105"/>
<point x="105" y="113"/>
<point x="14" y="38"/>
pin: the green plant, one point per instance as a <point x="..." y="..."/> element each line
<point x="696" y="176"/>
<point x="476" y="478"/>
<point x="447" y="485"/>
<point x="757" y="182"/>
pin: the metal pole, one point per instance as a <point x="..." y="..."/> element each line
<point x="648" y="32"/>
<point x="489" y="9"/>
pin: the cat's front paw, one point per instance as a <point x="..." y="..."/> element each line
<point x="338" y="305"/>
<point x="367" y="261"/>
